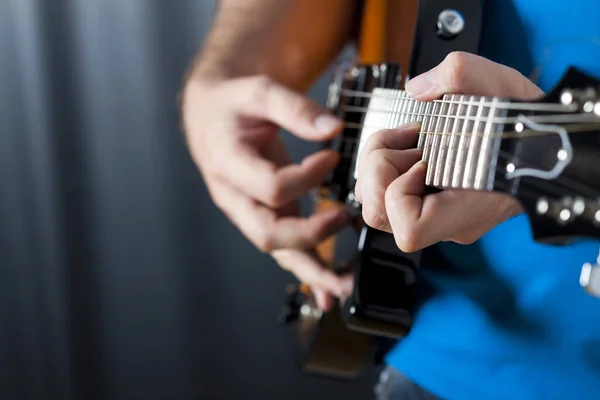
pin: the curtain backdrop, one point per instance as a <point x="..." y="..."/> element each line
<point x="118" y="277"/>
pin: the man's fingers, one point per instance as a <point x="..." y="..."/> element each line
<point x="323" y="298"/>
<point x="379" y="169"/>
<point x="401" y="138"/>
<point x="403" y="204"/>
<point x="310" y="269"/>
<point x="465" y="73"/>
<point x="271" y="184"/>
<point x="418" y="222"/>
<point x="274" y="149"/>
<point x="269" y="231"/>
<point x="262" y="97"/>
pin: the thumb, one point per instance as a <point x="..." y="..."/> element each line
<point x="264" y="98"/>
<point x="465" y="73"/>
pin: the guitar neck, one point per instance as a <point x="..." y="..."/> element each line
<point x="461" y="136"/>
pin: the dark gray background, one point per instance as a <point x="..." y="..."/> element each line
<point x="119" y="279"/>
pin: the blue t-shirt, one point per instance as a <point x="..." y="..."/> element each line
<point x="511" y="321"/>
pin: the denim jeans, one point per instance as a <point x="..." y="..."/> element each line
<point x="393" y="385"/>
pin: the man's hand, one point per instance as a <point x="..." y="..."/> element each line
<point x="232" y="127"/>
<point x="391" y="182"/>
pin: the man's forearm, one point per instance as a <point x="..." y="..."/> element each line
<point x="289" y="40"/>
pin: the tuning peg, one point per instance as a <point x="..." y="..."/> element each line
<point x="589" y="278"/>
<point x="586" y="99"/>
<point x="567" y="209"/>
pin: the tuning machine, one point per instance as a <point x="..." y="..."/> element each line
<point x="590" y="278"/>
<point x="568" y="209"/>
<point x="586" y="99"/>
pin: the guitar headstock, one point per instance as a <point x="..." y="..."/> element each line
<point x="550" y="157"/>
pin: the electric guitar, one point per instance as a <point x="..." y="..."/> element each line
<point x="543" y="153"/>
<point x="342" y="342"/>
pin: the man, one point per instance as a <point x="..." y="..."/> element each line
<point x="508" y="320"/>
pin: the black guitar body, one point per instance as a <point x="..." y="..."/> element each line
<point x="384" y="296"/>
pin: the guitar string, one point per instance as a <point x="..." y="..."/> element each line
<point x="565" y="181"/>
<point x="572" y="128"/>
<point x="546" y="186"/>
<point x="503" y="155"/>
<point x="551" y="118"/>
<point x="474" y="100"/>
<point x="364" y="110"/>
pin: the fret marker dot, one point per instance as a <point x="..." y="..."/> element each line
<point x="566" y="98"/>
<point x="519" y="127"/>
<point x="510" y="167"/>
<point x="562" y="154"/>
<point x="597" y="109"/>
<point x="597" y="216"/>
<point x="588" y="106"/>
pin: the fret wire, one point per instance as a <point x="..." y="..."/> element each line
<point x="473" y="142"/>
<point x="453" y="140"/>
<point x="442" y="155"/>
<point x="408" y="106"/>
<point x="460" y="155"/>
<point x="398" y="107"/>
<point x="410" y="110"/>
<point x="430" y="127"/>
<point x="397" y="114"/>
<point x="495" y="151"/>
<point x="484" y="152"/>
<point x="389" y="117"/>
<point x="433" y="156"/>
<point x="424" y="107"/>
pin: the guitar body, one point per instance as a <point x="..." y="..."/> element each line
<point x="411" y="34"/>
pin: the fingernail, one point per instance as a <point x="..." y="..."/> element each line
<point x="327" y="123"/>
<point x="421" y="84"/>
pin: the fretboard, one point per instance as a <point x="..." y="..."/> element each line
<point x="459" y="134"/>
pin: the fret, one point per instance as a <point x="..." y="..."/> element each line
<point x="425" y="108"/>
<point x="401" y="107"/>
<point x="461" y="152"/>
<point x="430" y="128"/>
<point x="388" y="108"/>
<point x="445" y="139"/>
<point x="436" y="141"/>
<point x="474" y="143"/>
<point x="496" y="144"/>
<point x="415" y="110"/>
<point x="482" y="169"/>
<point x="406" y="109"/>
<point x="399" y="101"/>
<point x="461" y="111"/>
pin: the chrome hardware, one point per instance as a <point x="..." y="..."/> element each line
<point x="588" y="98"/>
<point x="568" y="209"/>
<point x="566" y="97"/>
<point x="450" y="23"/>
<point x="589" y="278"/>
